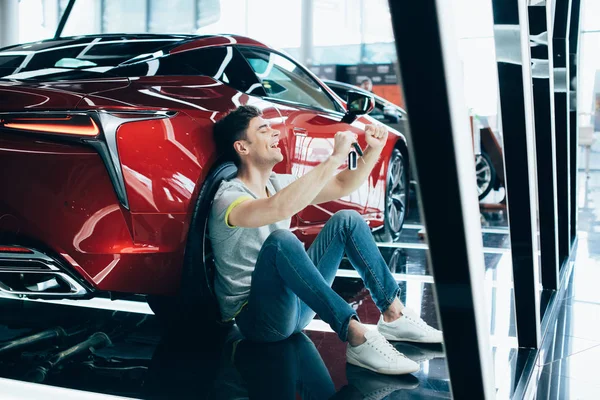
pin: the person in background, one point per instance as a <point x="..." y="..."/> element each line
<point x="367" y="84"/>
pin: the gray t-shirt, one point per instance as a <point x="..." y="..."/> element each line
<point x="236" y="249"/>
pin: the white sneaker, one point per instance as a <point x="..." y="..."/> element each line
<point x="378" y="355"/>
<point x="410" y="328"/>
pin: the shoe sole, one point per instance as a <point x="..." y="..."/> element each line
<point x="394" y="339"/>
<point x="383" y="371"/>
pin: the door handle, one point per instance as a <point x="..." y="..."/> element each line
<point x="300" y="132"/>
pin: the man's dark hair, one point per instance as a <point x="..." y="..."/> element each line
<point x="232" y="128"/>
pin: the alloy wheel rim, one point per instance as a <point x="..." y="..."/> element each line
<point x="483" y="172"/>
<point x="396" y="201"/>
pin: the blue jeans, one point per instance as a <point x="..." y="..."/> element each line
<point x="289" y="284"/>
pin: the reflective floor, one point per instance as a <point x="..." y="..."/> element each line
<point x="566" y="368"/>
<point x="139" y="359"/>
<point x="143" y="361"/>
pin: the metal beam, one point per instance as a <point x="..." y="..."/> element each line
<point x="430" y="70"/>
<point x="540" y="30"/>
<point x="511" y="34"/>
<point x="574" y="33"/>
<point x="562" y="125"/>
<point x="63" y="19"/>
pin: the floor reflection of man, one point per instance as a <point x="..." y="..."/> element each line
<point x="284" y="369"/>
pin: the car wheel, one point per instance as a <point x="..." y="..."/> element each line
<point x="485" y="174"/>
<point x="396" y="199"/>
<point x="196" y="300"/>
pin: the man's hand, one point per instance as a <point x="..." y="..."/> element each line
<point x="348" y="181"/>
<point x="342" y="145"/>
<point x="376" y="136"/>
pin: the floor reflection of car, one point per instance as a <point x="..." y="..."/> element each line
<point x="110" y="167"/>
<point x="488" y="161"/>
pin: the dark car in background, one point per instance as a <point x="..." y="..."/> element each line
<point x="488" y="161"/>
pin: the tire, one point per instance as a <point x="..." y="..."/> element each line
<point x="485" y="174"/>
<point x="396" y="199"/>
<point x="196" y="300"/>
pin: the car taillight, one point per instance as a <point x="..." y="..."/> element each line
<point x="15" y="249"/>
<point x="76" y="124"/>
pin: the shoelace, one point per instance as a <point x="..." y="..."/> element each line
<point x="380" y="344"/>
<point x="419" y="321"/>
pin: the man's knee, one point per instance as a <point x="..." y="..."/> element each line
<point x="348" y="217"/>
<point x="282" y="238"/>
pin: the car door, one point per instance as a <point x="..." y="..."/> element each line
<point x="312" y="117"/>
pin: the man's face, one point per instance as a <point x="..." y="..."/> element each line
<point x="367" y="85"/>
<point x="262" y="144"/>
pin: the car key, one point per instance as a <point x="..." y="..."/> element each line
<point x="353" y="157"/>
<point x="352" y="160"/>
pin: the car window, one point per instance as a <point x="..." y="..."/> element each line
<point x="225" y="64"/>
<point x="378" y="109"/>
<point x="10" y="61"/>
<point x="283" y="79"/>
<point x="340" y="91"/>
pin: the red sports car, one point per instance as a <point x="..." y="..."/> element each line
<point x="108" y="167"/>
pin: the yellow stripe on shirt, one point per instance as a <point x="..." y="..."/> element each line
<point x="235" y="203"/>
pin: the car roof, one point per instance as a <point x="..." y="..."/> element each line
<point x="48" y="44"/>
<point x="174" y="42"/>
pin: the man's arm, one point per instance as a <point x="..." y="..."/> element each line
<point x="253" y="213"/>
<point x="348" y="181"/>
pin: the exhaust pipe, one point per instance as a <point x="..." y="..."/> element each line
<point x="51" y="335"/>
<point x="97" y="341"/>
<point x="44" y="285"/>
<point x="35" y="274"/>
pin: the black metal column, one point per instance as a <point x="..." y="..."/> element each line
<point x="511" y="33"/>
<point x="574" y="32"/>
<point x="560" y="40"/>
<point x="63" y="19"/>
<point x="431" y="76"/>
<point x="543" y="101"/>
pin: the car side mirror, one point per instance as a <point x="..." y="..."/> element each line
<point x="357" y="103"/>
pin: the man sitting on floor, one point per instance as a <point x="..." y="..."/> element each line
<point x="265" y="278"/>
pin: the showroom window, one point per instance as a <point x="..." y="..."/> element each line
<point x="124" y="16"/>
<point x="171" y="16"/>
<point x="282" y="79"/>
<point x="118" y="16"/>
<point x="376" y="22"/>
<point x="263" y="20"/>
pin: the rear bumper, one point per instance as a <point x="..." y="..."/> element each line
<point x="58" y="199"/>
